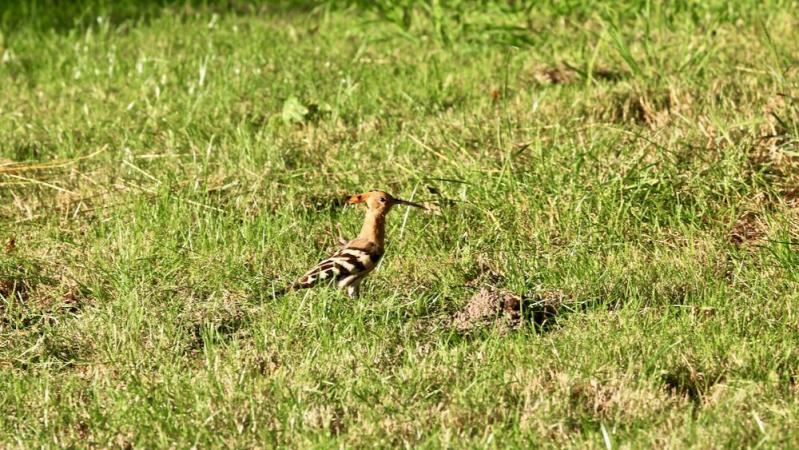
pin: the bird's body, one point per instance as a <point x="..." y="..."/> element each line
<point x="347" y="267"/>
<point x="357" y="258"/>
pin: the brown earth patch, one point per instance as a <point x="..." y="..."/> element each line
<point x="11" y="245"/>
<point x="653" y="108"/>
<point x="691" y="380"/>
<point x="35" y="290"/>
<point x="748" y="228"/>
<point x="565" y="73"/>
<point x="507" y="311"/>
<point x="554" y="75"/>
<point x="18" y="279"/>
<point x="326" y="417"/>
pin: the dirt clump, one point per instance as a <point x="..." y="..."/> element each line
<point x="565" y="73"/>
<point x="507" y="311"/>
<point x="554" y="75"/>
<point x="748" y="228"/>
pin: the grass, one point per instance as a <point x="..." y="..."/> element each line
<point x="163" y="166"/>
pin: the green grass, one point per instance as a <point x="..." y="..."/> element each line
<point x="639" y="159"/>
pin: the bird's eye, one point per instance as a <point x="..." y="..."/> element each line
<point x="382" y="199"/>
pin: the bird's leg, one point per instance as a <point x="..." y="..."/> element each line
<point x="354" y="290"/>
<point x="342" y="241"/>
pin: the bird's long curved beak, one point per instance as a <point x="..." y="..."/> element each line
<point x="406" y="202"/>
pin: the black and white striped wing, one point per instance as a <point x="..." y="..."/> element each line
<point x="346" y="267"/>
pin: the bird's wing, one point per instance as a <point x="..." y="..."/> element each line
<point x="345" y="266"/>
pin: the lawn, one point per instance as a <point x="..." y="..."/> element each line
<point x="633" y="165"/>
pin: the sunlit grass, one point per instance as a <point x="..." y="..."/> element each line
<point x="162" y="167"/>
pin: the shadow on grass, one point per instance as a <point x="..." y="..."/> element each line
<point x="62" y="16"/>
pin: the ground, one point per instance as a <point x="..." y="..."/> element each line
<point x="631" y="167"/>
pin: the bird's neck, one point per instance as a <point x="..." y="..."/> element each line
<point x="374" y="228"/>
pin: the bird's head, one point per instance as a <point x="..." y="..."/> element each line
<point x="380" y="202"/>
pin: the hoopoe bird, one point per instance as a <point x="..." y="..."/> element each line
<point x="358" y="257"/>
